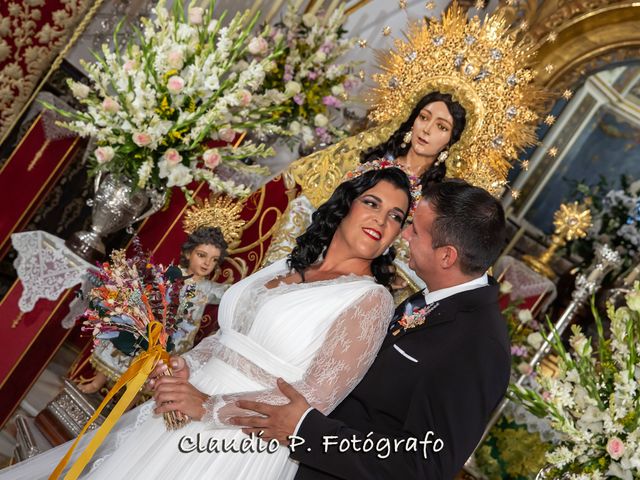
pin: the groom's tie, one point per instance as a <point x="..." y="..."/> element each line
<point x="415" y="301"/>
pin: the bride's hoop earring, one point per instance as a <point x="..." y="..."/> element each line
<point x="386" y="252"/>
<point x="442" y="157"/>
<point x="406" y="139"/>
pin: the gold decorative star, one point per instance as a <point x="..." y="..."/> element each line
<point x="525" y="165"/>
<point x="363" y="43"/>
<point x="567" y="94"/>
<point x="403" y="4"/>
<point x="362" y="74"/>
<point x="386" y="31"/>
<point x="549" y="68"/>
<point x="553" y="152"/>
<point x="430" y="5"/>
<point x="480" y="4"/>
<point x="549" y="120"/>
<point x="515" y="194"/>
<point x="552" y="37"/>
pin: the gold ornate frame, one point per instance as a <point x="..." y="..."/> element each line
<point x="576" y="37"/>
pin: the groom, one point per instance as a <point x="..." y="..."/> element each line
<point x="423" y="405"/>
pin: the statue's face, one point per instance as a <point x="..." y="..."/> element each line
<point x="203" y="260"/>
<point x="432" y="129"/>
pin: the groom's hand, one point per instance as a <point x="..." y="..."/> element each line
<point x="277" y="421"/>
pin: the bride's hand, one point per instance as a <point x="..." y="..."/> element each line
<point x="179" y="369"/>
<point x="177" y="394"/>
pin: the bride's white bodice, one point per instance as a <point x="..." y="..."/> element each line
<point x="321" y="336"/>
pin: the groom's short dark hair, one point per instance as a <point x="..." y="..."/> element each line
<point x="469" y="219"/>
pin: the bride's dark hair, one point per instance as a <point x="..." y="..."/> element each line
<point x="325" y="220"/>
<point x="393" y="146"/>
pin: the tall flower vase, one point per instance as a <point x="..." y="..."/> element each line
<point x="116" y="205"/>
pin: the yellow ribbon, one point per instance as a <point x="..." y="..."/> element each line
<point x="133" y="379"/>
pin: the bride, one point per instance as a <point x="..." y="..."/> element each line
<point x="316" y="320"/>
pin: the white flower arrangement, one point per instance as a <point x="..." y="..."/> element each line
<point x="154" y="105"/>
<point x="594" y="400"/>
<point x="616" y="219"/>
<point x="310" y="74"/>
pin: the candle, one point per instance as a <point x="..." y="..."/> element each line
<point x="315" y="7"/>
<point x="331" y="8"/>
<point x="254" y="8"/>
<point x="274" y="8"/>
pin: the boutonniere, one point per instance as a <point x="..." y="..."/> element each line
<point x="415" y="318"/>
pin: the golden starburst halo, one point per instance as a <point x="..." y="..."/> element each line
<point x="216" y="211"/>
<point x="572" y="221"/>
<point x="482" y="67"/>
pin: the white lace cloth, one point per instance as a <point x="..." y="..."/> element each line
<point x="45" y="266"/>
<point x="320" y="336"/>
<point x="525" y="282"/>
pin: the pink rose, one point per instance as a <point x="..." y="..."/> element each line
<point x="195" y="15"/>
<point x="175" y="59"/>
<point x="227" y="135"/>
<point x="129" y="66"/>
<point x="141" y="139"/>
<point x="615" y="448"/>
<point x="110" y="105"/>
<point x="104" y="154"/>
<point x="245" y="97"/>
<point x="172" y="156"/>
<point x="211" y="158"/>
<point x="258" y="46"/>
<point x="175" y="84"/>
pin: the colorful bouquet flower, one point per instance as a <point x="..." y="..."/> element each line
<point x="310" y="74"/>
<point x="594" y="400"/>
<point x="155" y="105"/>
<point x="128" y="295"/>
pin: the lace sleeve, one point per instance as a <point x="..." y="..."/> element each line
<point x="350" y="346"/>
<point x="200" y="354"/>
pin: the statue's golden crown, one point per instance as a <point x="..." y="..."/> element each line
<point x="216" y="211"/>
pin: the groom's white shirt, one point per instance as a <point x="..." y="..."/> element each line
<point x="430" y="297"/>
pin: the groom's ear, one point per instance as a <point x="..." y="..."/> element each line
<point x="448" y="257"/>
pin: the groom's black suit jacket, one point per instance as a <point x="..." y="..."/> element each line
<point x="460" y="374"/>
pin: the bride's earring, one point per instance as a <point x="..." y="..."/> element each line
<point x="406" y="139"/>
<point x="442" y="157"/>
<point x="386" y="252"/>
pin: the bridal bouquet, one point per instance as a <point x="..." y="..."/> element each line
<point x="309" y="73"/>
<point x="154" y="105"/>
<point x="594" y="401"/>
<point x="136" y="305"/>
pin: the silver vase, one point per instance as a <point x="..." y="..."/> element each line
<point x="115" y="206"/>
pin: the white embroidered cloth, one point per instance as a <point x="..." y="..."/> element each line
<point x="46" y="267"/>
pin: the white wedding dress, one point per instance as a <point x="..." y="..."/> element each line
<point x="320" y="336"/>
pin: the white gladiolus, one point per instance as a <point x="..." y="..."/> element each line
<point x="80" y="90"/>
